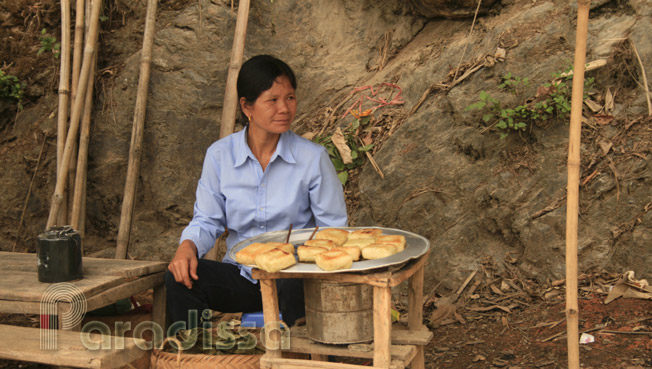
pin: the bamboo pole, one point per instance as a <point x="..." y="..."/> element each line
<point x="68" y="206"/>
<point x="572" y="208"/>
<point x="231" y="94"/>
<point x="137" y="133"/>
<point x="78" y="46"/>
<point x="64" y="91"/>
<point x="77" y="219"/>
<point x="230" y="105"/>
<point x="62" y="176"/>
<point x="78" y="215"/>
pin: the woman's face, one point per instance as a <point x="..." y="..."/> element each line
<point x="274" y="110"/>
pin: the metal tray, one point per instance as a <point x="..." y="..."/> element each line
<point x="415" y="246"/>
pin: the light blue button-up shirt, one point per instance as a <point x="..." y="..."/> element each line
<point x="298" y="187"/>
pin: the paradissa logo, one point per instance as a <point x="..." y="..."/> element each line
<point x="63" y="306"/>
<point x="274" y="335"/>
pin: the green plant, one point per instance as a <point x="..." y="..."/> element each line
<point x="49" y="44"/>
<point x="351" y="139"/>
<point x="552" y="101"/>
<point x="513" y="84"/>
<point x="11" y="88"/>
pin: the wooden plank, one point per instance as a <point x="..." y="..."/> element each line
<point x="24" y="286"/>
<point x="23" y="344"/>
<point x="304" y="345"/>
<point x="123" y="291"/>
<point x="408" y="270"/>
<point x="270" y="314"/>
<point x="415" y="312"/>
<point x="20" y="307"/>
<point x="382" y="326"/>
<point x="374" y="279"/>
<point x="26" y="262"/>
<point x="419" y="337"/>
<point x="280" y="363"/>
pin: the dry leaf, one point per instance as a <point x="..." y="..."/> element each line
<point x="605" y="146"/>
<point x="603" y="119"/>
<point x="309" y="135"/>
<point x="496" y="290"/>
<point x="608" y="102"/>
<point x="367" y="140"/>
<point x="594" y="106"/>
<point x="340" y="143"/>
<point x="500" y="53"/>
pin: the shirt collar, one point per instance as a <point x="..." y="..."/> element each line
<point x="283" y="149"/>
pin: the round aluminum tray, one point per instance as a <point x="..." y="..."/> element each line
<point x="415" y="246"/>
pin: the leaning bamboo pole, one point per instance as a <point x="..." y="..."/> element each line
<point x="62" y="176"/>
<point x="64" y="90"/>
<point x="231" y="94"/>
<point x="78" y="46"/>
<point x="77" y="217"/>
<point x="68" y="206"/>
<point x="572" y="207"/>
<point x="126" y="214"/>
<point x="230" y="105"/>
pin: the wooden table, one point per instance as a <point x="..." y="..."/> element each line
<point x="104" y="282"/>
<point x="391" y="349"/>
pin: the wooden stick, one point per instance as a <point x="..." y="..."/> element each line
<point x="29" y="193"/>
<point x="64" y="91"/>
<point x="77" y="217"/>
<point x="572" y="208"/>
<point x="287" y="239"/>
<point x="313" y="233"/>
<point x="137" y="133"/>
<point x="231" y="94"/>
<point x="468" y="38"/>
<point x="645" y="86"/>
<point x="62" y="176"/>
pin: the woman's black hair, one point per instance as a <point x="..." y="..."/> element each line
<point x="258" y="74"/>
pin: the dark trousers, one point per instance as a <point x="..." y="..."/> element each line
<point x="220" y="287"/>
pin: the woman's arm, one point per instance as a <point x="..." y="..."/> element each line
<point x="326" y="195"/>
<point x="209" y="219"/>
<point x="184" y="264"/>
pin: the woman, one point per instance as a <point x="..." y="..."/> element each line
<point x="261" y="179"/>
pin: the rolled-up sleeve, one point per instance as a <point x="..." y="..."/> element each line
<point x="209" y="219"/>
<point x="326" y="194"/>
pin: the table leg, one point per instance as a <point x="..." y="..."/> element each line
<point x="382" y="326"/>
<point x="415" y="313"/>
<point x="272" y="339"/>
<point x="159" y="311"/>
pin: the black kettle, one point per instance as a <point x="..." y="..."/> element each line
<point x="59" y="255"/>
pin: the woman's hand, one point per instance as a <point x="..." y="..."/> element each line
<point x="184" y="264"/>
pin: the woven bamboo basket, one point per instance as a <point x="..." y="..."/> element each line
<point x="166" y="360"/>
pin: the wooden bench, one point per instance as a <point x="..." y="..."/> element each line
<point x="24" y="344"/>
